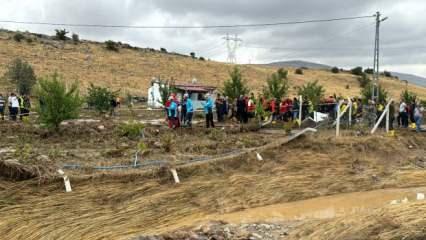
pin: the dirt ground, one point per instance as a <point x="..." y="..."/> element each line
<point x="133" y="203"/>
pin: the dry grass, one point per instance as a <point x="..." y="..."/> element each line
<point x="406" y="221"/>
<point x="132" y="70"/>
<point x="119" y="207"/>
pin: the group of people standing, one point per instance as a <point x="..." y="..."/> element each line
<point x="16" y="106"/>
<point x="410" y="112"/>
<point x="179" y="112"/>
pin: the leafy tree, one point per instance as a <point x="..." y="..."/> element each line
<point x="57" y="102"/>
<point x="100" y="98"/>
<point x="367" y="93"/>
<point x="369" y="71"/>
<point x="18" y="37"/>
<point x="163" y="50"/>
<point x="408" y="96"/>
<point x="235" y="86"/>
<point x="335" y="70"/>
<point x="192" y="54"/>
<point x="61" y="34"/>
<point x="111" y="45"/>
<point x="75" y="38"/>
<point x="166" y="89"/>
<point x="357" y="71"/>
<point x="299" y="71"/>
<point x="22" y="75"/>
<point x="387" y="74"/>
<point x="364" y="80"/>
<point x="312" y="91"/>
<point x="277" y="85"/>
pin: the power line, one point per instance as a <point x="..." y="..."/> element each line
<point x="186" y="27"/>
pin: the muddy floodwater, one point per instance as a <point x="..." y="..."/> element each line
<point x="324" y="207"/>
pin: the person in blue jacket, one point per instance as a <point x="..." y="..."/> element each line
<point x="189" y="110"/>
<point x="172" y="113"/>
<point x="208" y="110"/>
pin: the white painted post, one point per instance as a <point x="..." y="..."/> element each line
<point x="175" y="175"/>
<point x="381" y="117"/>
<point x="387" y="121"/>
<point x="338" y="119"/>
<point x="350" y="111"/>
<point x="67" y="182"/>
<point x="300" y="109"/>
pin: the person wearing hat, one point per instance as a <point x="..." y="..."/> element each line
<point x="208" y="110"/>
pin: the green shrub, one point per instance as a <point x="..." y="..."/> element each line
<point x="163" y="50"/>
<point x="408" y="96"/>
<point x="111" y="46"/>
<point x="299" y="71"/>
<point x="364" y="80"/>
<point x="335" y="70"/>
<point x="312" y="91"/>
<point x="29" y="40"/>
<point x="61" y="34"/>
<point x="367" y="93"/>
<point x="57" y="102"/>
<point x="131" y="130"/>
<point x="22" y="75"/>
<point x="357" y="71"/>
<point x="277" y="85"/>
<point x="235" y="86"/>
<point x="18" y="37"/>
<point x="202" y="59"/>
<point x="75" y="38"/>
<point x="387" y="74"/>
<point x="369" y="71"/>
<point x="100" y="98"/>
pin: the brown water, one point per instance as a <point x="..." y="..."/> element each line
<point x="323" y="207"/>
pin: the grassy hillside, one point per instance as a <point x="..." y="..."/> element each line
<point x="132" y="69"/>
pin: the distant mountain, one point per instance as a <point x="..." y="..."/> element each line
<point x="299" y="64"/>
<point x="421" y="81"/>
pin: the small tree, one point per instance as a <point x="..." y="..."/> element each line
<point x="277" y="85"/>
<point x="335" y="70"/>
<point x="100" y="98"/>
<point x="357" y="71"/>
<point x="166" y="89"/>
<point x="192" y="54"/>
<point x="163" y="50"/>
<point x="18" y="37"/>
<point x="408" y="96"/>
<point x="387" y="74"/>
<point x="202" y="59"/>
<point x="369" y="71"/>
<point x="312" y="91"/>
<point x="299" y="71"/>
<point x="364" y="80"/>
<point x="235" y="86"/>
<point x="75" y="38"/>
<point x="61" y="34"/>
<point x="57" y="102"/>
<point x="111" y="45"/>
<point x="367" y="93"/>
<point x="22" y="75"/>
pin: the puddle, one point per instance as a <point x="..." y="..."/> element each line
<point x="323" y="207"/>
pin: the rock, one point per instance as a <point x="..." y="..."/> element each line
<point x="158" y="144"/>
<point x="7" y="150"/>
<point x="101" y="127"/>
<point x="256" y="236"/>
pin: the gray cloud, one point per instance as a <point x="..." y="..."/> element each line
<point x="345" y="44"/>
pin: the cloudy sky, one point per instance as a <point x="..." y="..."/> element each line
<point x="343" y="44"/>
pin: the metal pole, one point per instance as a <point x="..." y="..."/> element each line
<point x="387" y="121"/>
<point x="350" y="112"/>
<point x="375" y="93"/>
